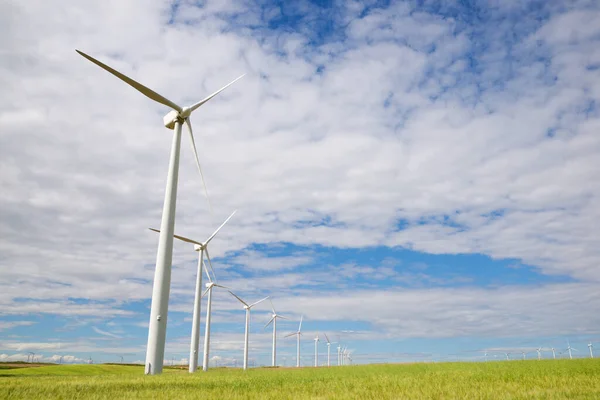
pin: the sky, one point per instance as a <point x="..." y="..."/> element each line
<point x="414" y="178"/>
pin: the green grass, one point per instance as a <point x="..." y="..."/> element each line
<point x="548" y="379"/>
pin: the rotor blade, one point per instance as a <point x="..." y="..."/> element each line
<point x="269" y="323"/>
<point x="182" y="238"/>
<point x="189" y="125"/>
<point x="260" y="301"/>
<point x="282" y="317"/>
<point x="326" y="337"/>
<point x="206" y="291"/>
<point x="210" y="264"/>
<point x="221" y="286"/>
<point x="219" y="228"/>
<point x="136" y="85"/>
<point x="291" y="334"/>
<point x="300" y="326"/>
<point x="198" y="104"/>
<point x="241" y="301"/>
<point x="206" y="271"/>
<point x="272" y="306"/>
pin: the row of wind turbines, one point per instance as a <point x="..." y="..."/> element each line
<point x="539" y="351"/>
<point x="344" y="356"/>
<point x="174" y="120"/>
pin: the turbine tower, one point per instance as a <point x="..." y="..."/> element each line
<point x="316" y="339"/>
<point x="553" y="353"/>
<point x="247" y="307"/>
<point x="273" y="319"/>
<point x="590" y="346"/>
<point x="201" y="248"/>
<point x="157" y="329"/>
<point x="339" y="354"/>
<point x="297" y="341"/>
<point x="539" y="351"/>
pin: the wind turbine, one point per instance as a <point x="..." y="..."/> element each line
<point x="273" y="319"/>
<point x="297" y="341"/>
<point x="157" y="329"/>
<point x="553" y="353"/>
<point x="209" y="288"/>
<point x="247" y="307"/>
<point x="328" y="350"/>
<point x="201" y="248"/>
<point x="507" y="356"/>
<point x="339" y="354"/>
<point x="590" y="346"/>
<point x="316" y="339"/>
<point x="539" y="351"/>
<point x="569" y="348"/>
<point x="523" y="355"/>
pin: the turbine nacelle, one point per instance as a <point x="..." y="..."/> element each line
<point x="170" y="119"/>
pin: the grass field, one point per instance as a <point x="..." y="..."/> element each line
<point x="547" y="379"/>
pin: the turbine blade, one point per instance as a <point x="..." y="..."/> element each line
<point x="272" y="306"/>
<point x="326" y="337"/>
<point x="291" y="334"/>
<point x="219" y="228"/>
<point x="269" y="323"/>
<point x="198" y="104"/>
<point x="300" y="326"/>
<point x="136" y="85"/>
<point x="210" y="264"/>
<point x="260" y="301"/>
<point x="206" y="291"/>
<point x="282" y="317"/>
<point x="221" y="286"/>
<point x="241" y="301"/>
<point x="206" y="271"/>
<point x="189" y="126"/>
<point x="182" y="238"/>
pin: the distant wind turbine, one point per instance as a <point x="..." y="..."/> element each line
<point x="297" y="341"/>
<point x="157" y="329"/>
<point x="553" y="353"/>
<point x="316" y="339"/>
<point x="273" y="320"/>
<point x="590" y="346"/>
<point x="339" y="354"/>
<point x="569" y="348"/>
<point x="209" y="288"/>
<point x="247" y="307"/>
<point x="539" y="352"/>
<point x="328" y="350"/>
<point x="201" y="248"/>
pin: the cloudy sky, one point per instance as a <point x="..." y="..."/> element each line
<point x="415" y="178"/>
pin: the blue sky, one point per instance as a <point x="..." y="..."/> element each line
<point x="417" y="179"/>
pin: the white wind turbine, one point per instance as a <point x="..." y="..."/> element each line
<point x="273" y="320"/>
<point x="201" y="248"/>
<point x="157" y="328"/>
<point x="569" y="348"/>
<point x="523" y="354"/>
<point x="553" y="353"/>
<point x="328" y="350"/>
<point x="539" y="352"/>
<point x="209" y="288"/>
<point x="339" y="354"/>
<point x="316" y="339"/>
<point x="247" y="307"/>
<point x="590" y="346"/>
<point x="297" y="341"/>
